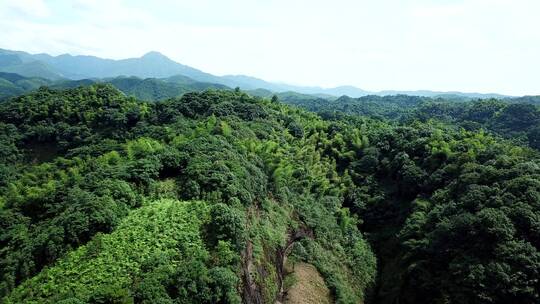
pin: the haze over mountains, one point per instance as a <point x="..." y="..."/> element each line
<point x="157" y="65"/>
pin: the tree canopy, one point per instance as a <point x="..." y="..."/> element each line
<point x="208" y="197"/>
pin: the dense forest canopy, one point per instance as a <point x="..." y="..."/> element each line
<point x="211" y="197"/>
<point x="513" y="118"/>
<point x="516" y="118"/>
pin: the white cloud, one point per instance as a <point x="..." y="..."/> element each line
<point x="474" y="45"/>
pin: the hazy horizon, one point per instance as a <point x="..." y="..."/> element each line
<point x="469" y="46"/>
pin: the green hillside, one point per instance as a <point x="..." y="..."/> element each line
<point x="14" y="84"/>
<point x="214" y="196"/>
<point x="160" y="89"/>
<point x="12" y="63"/>
<point x="140" y="251"/>
<point x="150" y="89"/>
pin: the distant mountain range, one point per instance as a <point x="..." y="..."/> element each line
<point x="157" y="65"/>
<point x="151" y="89"/>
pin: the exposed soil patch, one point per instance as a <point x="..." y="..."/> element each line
<point x="308" y="288"/>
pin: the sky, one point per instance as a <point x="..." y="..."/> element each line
<point x="487" y="46"/>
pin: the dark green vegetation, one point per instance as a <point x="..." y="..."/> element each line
<point x="199" y="199"/>
<point x="79" y="164"/>
<point x="150" y="89"/>
<point x="517" y="119"/>
<point x="153" y="89"/>
<point x="14" y="84"/>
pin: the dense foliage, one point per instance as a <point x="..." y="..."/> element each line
<point x="517" y="121"/>
<point x="512" y="118"/>
<point x="82" y="159"/>
<point x="156" y="255"/>
<point x="201" y="199"/>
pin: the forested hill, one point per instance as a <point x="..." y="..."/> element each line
<point x="517" y="119"/>
<point x="149" y="89"/>
<point x="214" y="196"/>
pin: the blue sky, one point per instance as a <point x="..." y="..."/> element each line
<point x="466" y="45"/>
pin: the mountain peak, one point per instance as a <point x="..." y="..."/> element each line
<point x="154" y="55"/>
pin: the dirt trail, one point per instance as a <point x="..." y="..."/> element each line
<point x="309" y="287"/>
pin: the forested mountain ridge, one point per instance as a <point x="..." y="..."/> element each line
<point x="211" y="197"/>
<point x="517" y="119"/>
<point x="450" y="109"/>
<point x="150" y="89"/>
<point x="513" y="118"/>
